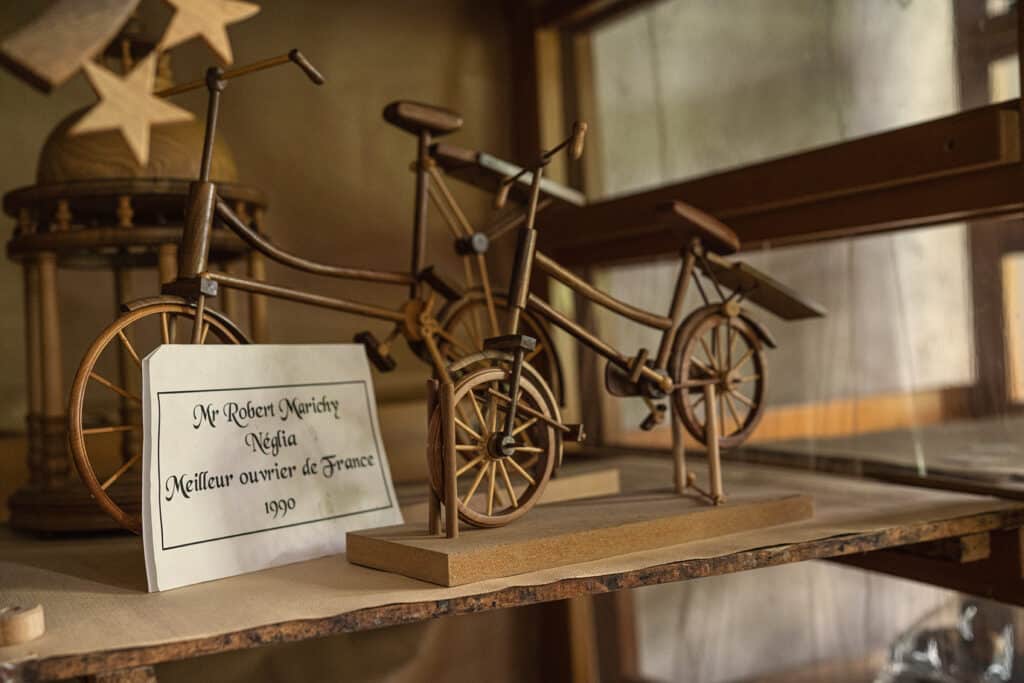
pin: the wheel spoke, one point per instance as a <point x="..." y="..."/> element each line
<point x="744" y="399"/>
<point x="128" y="346"/>
<point x="476" y="409"/>
<point x="528" y="449"/>
<point x="747" y="355"/>
<point x="462" y="414"/>
<point x="747" y="378"/>
<point x="206" y="331"/>
<point x="113" y="387"/>
<point x="111" y="429"/>
<point x="732" y="411"/>
<point x="508" y="483"/>
<point x="704" y="368"/>
<point x="120" y="470"/>
<point x="519" y="468"/>
<point x="719" y="347"/>
<point x="468" y="466"/>
<point x="490" y="487"/>
<point x="708" y="353"/>
<point x="466" y="428"/>
<point x="526" y="425"/>
<point x="476" y="484"/>
<point x="733" y="334"/>
<point x="466" y="447"/>
<point x="164" y="330"/>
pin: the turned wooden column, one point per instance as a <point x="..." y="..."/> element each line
<point x="167" y="262"/>
<point x="34" y="376"/>
<point x="55" y="465"/>
<point x="127" y="372"/>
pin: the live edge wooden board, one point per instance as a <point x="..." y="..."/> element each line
<point x="101" y="620"/>
<point x="567" y="533"/>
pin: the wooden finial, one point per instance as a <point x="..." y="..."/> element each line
<point x="579" y="133"/>
<point x="501" y="198"/>
<point x="206" y="19"/>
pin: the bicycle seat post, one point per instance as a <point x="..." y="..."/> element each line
<point x="419" y="225"/>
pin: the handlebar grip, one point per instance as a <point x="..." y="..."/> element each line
<point x="579" y="133"/>
<point x="306" y="66"/>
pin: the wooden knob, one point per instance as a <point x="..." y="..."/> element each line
<point x="579" y="134"/>
<point x="21" y="624"/>
<point x="501" y="198"/>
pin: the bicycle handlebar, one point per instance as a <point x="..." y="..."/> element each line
<point x="574" y="143"/>
<point x="294" y="56"/>
<point x="306" y="66"/>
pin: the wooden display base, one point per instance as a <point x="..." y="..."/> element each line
<point x="567" y="533"/>
<point x="71" y="509"/>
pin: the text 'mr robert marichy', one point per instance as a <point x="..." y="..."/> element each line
<point x="240" y="414"/>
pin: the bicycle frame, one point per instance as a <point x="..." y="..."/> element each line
<point x="528" y="256"/>
<point x="669" y="325"/>
<point x="195" y="281"/>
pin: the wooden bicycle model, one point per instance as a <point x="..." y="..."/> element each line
<point x="498" y="421"/>
<point x="439" y="320"/>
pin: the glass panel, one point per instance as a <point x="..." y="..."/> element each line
<point x="687" y="87"/>
<point x="890" y="299"/>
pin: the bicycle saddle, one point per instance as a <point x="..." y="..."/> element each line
<point x="417" y="117"/>
<point x="688" y="222"/>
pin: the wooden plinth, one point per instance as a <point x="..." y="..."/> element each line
<point x="567" y="533"/>
<point x="71" y="509"/>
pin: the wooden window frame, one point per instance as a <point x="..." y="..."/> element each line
<point x="965" y="167"/>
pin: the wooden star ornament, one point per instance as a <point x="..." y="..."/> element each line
<point x="207" y="19"/>
<point x="129" y="105"/>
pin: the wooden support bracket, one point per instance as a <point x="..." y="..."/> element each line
<point x="989" y="565"/>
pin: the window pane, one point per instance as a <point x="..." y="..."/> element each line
<point x="688" y="87"/>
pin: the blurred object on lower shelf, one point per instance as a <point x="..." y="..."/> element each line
<point x="965" y="641"/>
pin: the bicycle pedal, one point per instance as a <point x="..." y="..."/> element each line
<point x="575" y="433"/>
<point x="654" y="418"/>
<point x="381" y="360"/>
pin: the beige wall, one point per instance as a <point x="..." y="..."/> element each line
<point x="336" y="175"/>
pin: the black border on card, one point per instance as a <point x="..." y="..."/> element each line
<point x="376" y="444"/>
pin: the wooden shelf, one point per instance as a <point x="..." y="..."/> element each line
<point x="100" y="619"/>
<point x="961" y="167"/>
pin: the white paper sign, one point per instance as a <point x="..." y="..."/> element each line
<point x="257" y="456"/>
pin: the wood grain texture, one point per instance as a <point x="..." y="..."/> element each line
<point x="52" y="48"/>
<point x="566" y="533"/>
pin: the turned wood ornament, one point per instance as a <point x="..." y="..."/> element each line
<point x="21" y="624"/>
